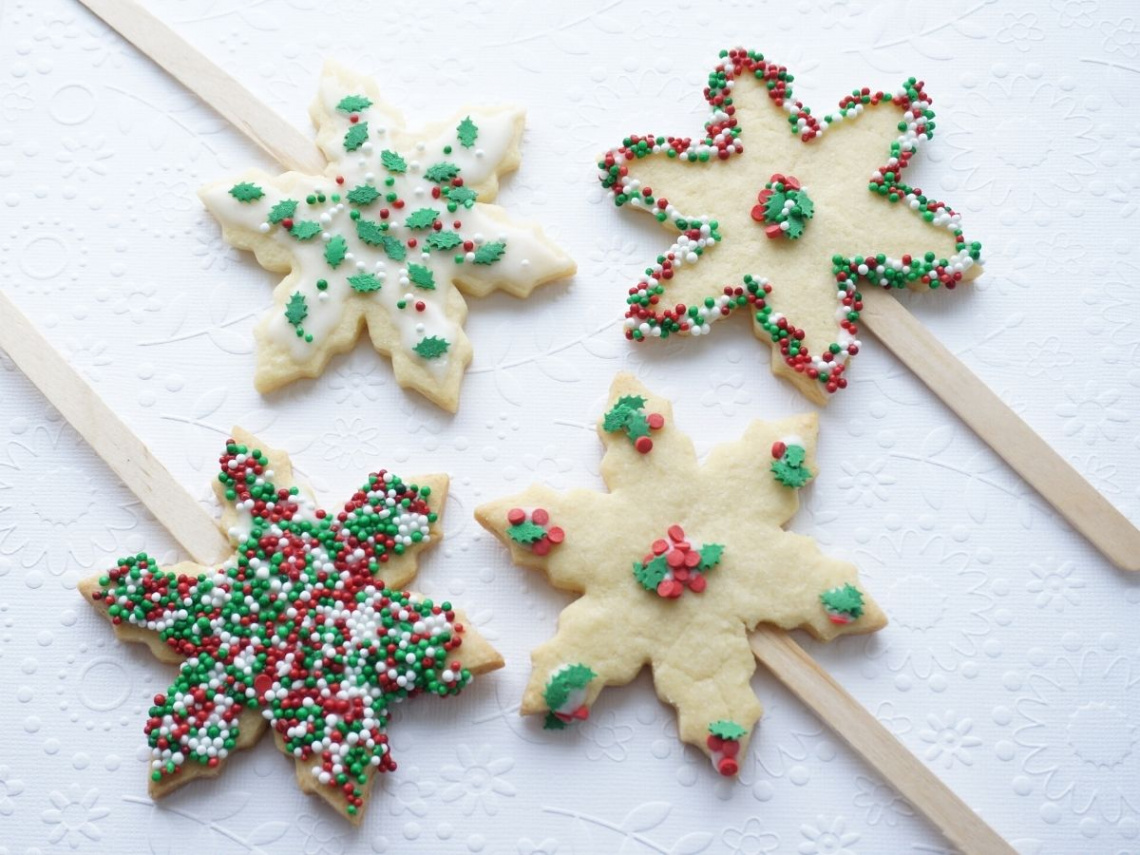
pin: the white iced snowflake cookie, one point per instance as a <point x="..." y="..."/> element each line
<point x="396" y="227"/>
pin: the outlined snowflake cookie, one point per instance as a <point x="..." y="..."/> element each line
<point x="788" y="214"/>
<point x="675" y="564"/>
<point x="388" y="237"/>
<point x="306" y="630"/>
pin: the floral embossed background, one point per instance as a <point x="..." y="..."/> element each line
<point x="1011" y="664"/>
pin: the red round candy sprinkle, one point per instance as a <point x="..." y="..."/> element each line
<point x="692" y="558"/>
<point x="676" y="533"/>
<point x="556" y="535"/>
<point x="773" y="231"/>
<point x="730" y="748"/>
<point x="681" y="574"/>
<point x="664" y="587"/>
<point x="539" y="516"/>
<point x="660" y="546"/>
<point x="262" y="683"/>
<point x="675" y="558"/>
<point x="714" y="742"/>
<point x="698" y="582"/>
<point x="758" y="213"/>
<point x="644" y="444"/>
<point x="286" y="223"/>
<point x="541" y="547"/>
<point x="728" y="767"/>
<point x="656" y="421"/>
<point x="516" y="516"/>
<point x="778" y="449"/>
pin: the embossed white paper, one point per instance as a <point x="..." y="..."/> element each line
<point x="1010" y="662"/>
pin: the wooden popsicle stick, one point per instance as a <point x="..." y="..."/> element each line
<point x="178" y="511"/>
<point x="868" y="738"/>
<point x="998" y="426"/>
<point x="198" y="533"/>
<point x="283" y="142"/>
<point x="1002" y="429"/>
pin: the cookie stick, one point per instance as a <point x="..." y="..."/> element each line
<point x="1003" y="430"/>
<point x="177" y="511"/>
<point x="817" y="689"/>
<point x="220" y="90"/>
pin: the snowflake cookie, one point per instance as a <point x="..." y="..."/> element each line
<point x="306" y="630"/>
<point x="787" y="213"/>
<point x="398" y="222"/>
<point x="675" y="565"/>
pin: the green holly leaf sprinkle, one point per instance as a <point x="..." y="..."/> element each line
<point x="432" y="347"/>
<point x="795" y="455"/>
<point x="394" y="248"/>
<point x="283" y="210"/>
<point x="305" y="230"/>
<point x="795" y="227"/>
<point x="649" y="575"/>
<point x="392" y="161"/>
<point x="421" y="219"/>
<point x="461" y="196"/>
<point x="729" y="730"/>
<point x="365" y="194"/>
<point x="846" y="600"/>
<point x="356" y="137"/>
<point x="526" y="532"/>
<point x="467" y="132"/>
<point x="553" y="722"/>
<point x="710" y="555"/>
<point x="297" y="309"/>
<point x="246" y="192"/>
<point x="806" y="205"/>
<point x="774" y="207"/>
<point x="444" y="240"/>
<point x="633" y="402"/>
<point x="370" y="232"/>
<point x="567" y="680"/>
<point x="353" y="104"/>
<point x="421" y="277"/>
<point x="335" y="251"/>
<point x="616" y="418"/>
<point x="364" y="283"/>
<point x="489" y="253"/>
<point x="441" y="172"/>
<point x="637" y="425"/>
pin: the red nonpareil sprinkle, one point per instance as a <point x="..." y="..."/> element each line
<point x="643" y="444"/>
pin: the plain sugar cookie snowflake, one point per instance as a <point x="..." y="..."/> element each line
<point x="675" y="564"/>
<point x="783" y="214"/>
<point x="306" y="630"/>
<point x="387" y="238"/>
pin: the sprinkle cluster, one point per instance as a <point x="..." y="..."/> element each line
<point x="294" y="626"/>
<point x="785" y="206"/>
<point x="565" y="695"/>
<point x="788" y="466"/>
<point x="843" y="604"/>
<point x="628" y="415"/>
<point x="647" y="317"/>
<point x="675" y="564"/>
<point x="724" y="744"/>
<point x="533" y="530"/>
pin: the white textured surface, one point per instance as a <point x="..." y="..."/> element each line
<point x="1011" y="664"/>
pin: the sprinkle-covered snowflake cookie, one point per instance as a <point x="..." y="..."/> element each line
<point x="307" y="630"/>
<point x="785" y="215"/>
<point x="675" y="564"/>
<point x="398" y="222"/>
